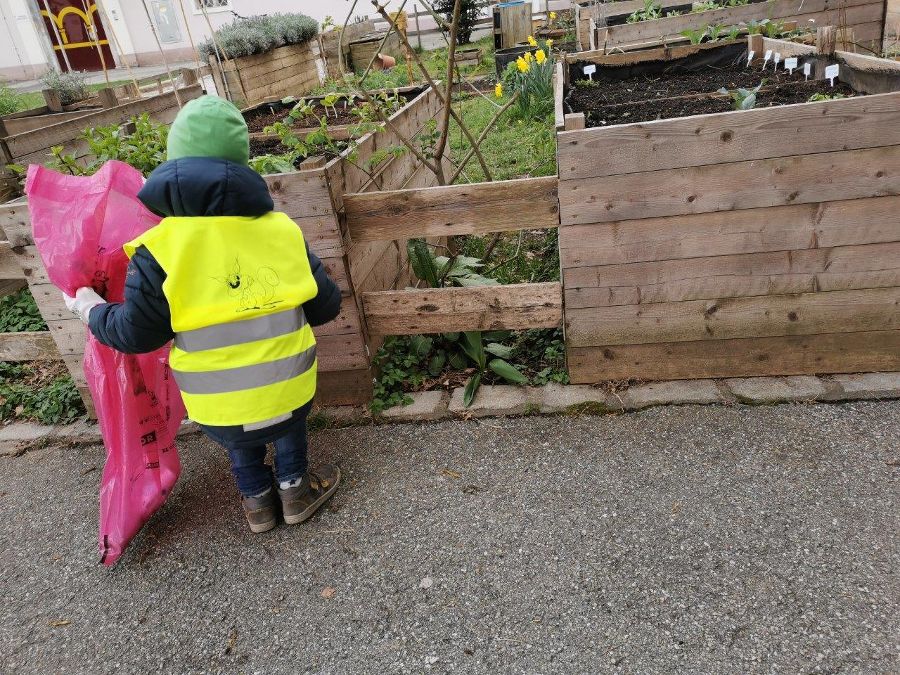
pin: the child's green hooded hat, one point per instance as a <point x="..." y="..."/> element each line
<point x="209" y="126"/>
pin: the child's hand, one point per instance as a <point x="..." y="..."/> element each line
<point x="84" y="301"/>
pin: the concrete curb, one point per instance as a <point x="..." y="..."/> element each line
<point x="508" y="401"/>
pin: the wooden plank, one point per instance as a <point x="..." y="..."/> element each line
<point x="301" y="194"/>
<point x="719" y="319"/>
<point x="527" y="203"/>
<point x="871" y="351"/>
<point x="806" y="128"/>
<point x="777" y="273"/>
<point x="781" y="228"/>
<point x="341" y="352"/>
<point x="573" y="121"/>
<point x="558" y="94"/>
<point x="436" y="310"/>
<point x="623" y="34"/>
<point x="601" y="57"/>
<point x="781" y="181"/>
<point x="32" y="346"/>
<point x="9" y="264"/>
<point x="346" y="323"/>
<point x="40" y="140"/>
<point x="344" y="387"/>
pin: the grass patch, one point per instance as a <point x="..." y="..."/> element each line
<point x="41" y="392"/>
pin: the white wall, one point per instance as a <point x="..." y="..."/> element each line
<point x="23" y="54"/>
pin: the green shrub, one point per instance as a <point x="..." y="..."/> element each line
<point x="71" y="87"/>
<point x="19" y="313"/>
<point x="469" y="13"/>
<point x="259" y="34"/>
<point x="9" y="100"/>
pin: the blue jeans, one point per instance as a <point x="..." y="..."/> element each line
<point x="252" y="473"/>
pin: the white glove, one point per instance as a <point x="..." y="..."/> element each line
<point x="84" y="301"/>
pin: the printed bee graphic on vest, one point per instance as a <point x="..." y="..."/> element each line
<point x="253" y="291"/>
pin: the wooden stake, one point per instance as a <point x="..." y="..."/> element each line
<point x="219" y="50"/>
<point x="59" y="39"/>
<point x="112" y="30"/>
<point x="187" y="25"/>
<point x="418" y="30"/>
<point x="162" y="53"/>
<point x="94" y="34"/>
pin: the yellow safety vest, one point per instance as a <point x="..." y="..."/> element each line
<point x="243" y="352"/>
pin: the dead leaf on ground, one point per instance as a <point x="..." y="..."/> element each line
<point x="450" y="473"/>
<point x="327" y="592"/>
<point x="59" y="622"/>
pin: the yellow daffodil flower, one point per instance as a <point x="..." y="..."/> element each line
<point x="522" y="65"/>
<point x="553" y="16"/>
<point x="549" y="43"/>
<point x="498" y="90"/>
<point x="532" y="41"/>
<point x="540" y="56"/>
<point x="527" y="56"/>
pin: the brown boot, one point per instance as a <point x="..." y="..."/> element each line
<point x="260" y="511"/>
<point x="302" y="501"/>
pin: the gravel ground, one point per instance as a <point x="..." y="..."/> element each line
<point x="691" y="539"/>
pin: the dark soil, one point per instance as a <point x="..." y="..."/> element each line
<point x="266" y="146"/>
<point x="259" y="119"/>
<point x="606" y="90"/>
<point x="658" y="109"/>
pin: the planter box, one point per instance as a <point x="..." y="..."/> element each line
<point x="759" y="242"/>
<point x="314" y="199"/>
<point x="292" y="70"/>
<point x="331" y="43"/>
<point x="863" y="19"/>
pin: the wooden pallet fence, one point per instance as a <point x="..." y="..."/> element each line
<point x="292" y="70"/>
<point x="760" y="242"/>
<point x="443" y="211"/>
<point x="863" y="21"/>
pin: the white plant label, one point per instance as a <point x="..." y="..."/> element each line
<point x="767" y="58"/>
<point x="807" y="70"/>
<point x="832" y="72"/>
<point x="777" y="59"/>
<point x="590" y="70"/>
<point x="791" y="64"/>
<point x="750" y="57"/>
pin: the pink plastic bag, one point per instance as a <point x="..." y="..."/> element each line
<point x="80" y="224"/>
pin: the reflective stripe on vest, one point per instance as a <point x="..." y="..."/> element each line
<point x="241" y="332"/>
<point x="245" y="377"/>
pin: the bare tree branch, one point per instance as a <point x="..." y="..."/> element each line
<point x="481" y="137"/>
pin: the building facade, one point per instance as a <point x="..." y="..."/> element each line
<point x="89" y="34"/>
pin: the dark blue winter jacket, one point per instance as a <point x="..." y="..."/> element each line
<point x="197" y="186"/>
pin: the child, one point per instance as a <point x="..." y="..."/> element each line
<point x="235" y="285"/>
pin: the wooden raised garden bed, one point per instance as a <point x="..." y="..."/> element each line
<point x="863" y="21"/>
<point x="729" y="243"/>
<point x="292" y="70"/>
<point x="314" y="198"/>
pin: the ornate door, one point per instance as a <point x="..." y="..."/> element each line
<point x="74" y="27"/>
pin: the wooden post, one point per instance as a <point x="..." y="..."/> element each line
<point x="108" y="97"/>
<point x="418" y="30"/>
<point x="826" y="40"/>
<point x="51" y="98"/>
<point x="574" y="121"/>
<point x="112" y="31"/>
<point x="95" y="36"/>
<point x="755" y="45"/>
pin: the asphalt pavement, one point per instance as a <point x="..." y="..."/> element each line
<point x="675" y="540"/>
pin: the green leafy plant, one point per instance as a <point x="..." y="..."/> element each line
<point x="648" y="12"/>
<point x="714" y="32"/>
<point x="674" y="12"/>
<point x="733" y="32"/>
<point x="704" y="6"/>
<point x="824" y="97"/>
<point x="774" y="29"/>
<point x="27" y="393"/>
<point x="695" y="36"/>
<point x="19" y="313"/>
<point x="141" y="143"/>
<point x="743" y="99"/>
<point x="71" y="87"/>
<point x="756" y="27"/>
<point x="259" y="34"/>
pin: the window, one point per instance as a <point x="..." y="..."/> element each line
<point x="212" y="5"/>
